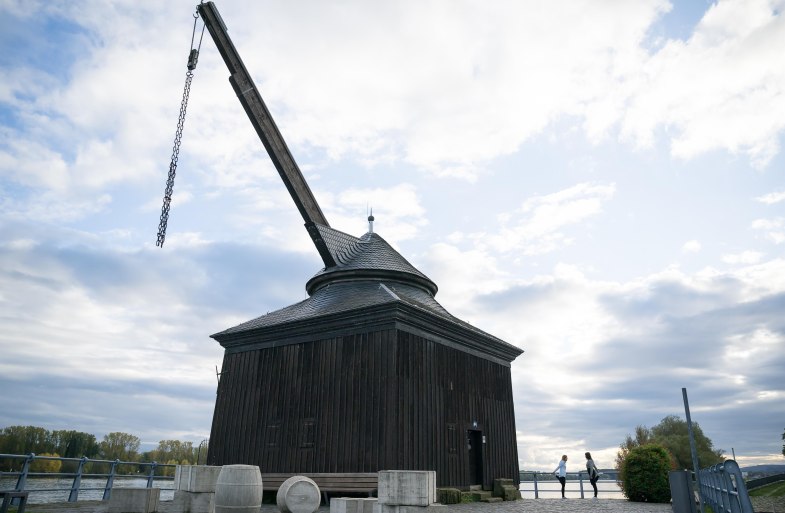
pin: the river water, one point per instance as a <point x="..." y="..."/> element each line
<point x="52" y="489"/>
<point x="552" y="490"/>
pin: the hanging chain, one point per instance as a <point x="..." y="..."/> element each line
<point x="193" y="56"/>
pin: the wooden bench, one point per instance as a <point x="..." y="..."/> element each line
<point x="9" y="495"/>
<point x="355" y="483"/>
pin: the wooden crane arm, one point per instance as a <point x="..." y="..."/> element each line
<point x="268" y="132"/>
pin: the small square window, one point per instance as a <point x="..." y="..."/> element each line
<point x="452" y="439"/>
<point x="272" y="435"/>
<point x="308" y="437"/>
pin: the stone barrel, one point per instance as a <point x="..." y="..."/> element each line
<point x="238" y="489"/>
<point x="298" y="494"/>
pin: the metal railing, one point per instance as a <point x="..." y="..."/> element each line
<point x="722" y="487"/>
<point x="763" y="481"/>
<point x="151" y="472"/>
<point x="535" y="479"/>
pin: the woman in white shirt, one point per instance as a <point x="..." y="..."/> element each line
<point x="562" y="473"/>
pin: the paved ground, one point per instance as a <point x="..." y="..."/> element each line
<point x="545" y="506"/>
<point x="521" y="506"/>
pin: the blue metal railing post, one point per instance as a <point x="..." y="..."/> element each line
<point x="22" y="480"/>
<point x="151" y="476"/>
<point x="70" y="483"/>
<point x="693" y="450"/>
<point x="74" y="495"/>
<point x="110" y="481"/>
<point x="536" y="491"/>
<point x="537" y="478"/>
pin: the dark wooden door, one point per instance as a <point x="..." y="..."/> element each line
<point x="474" y="442"/>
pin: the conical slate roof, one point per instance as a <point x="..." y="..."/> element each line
<point x="369" y="278"/>
<point x="367" y="257"/>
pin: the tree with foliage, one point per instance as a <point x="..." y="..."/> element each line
<point x="24" y="440"/>
<point x="644" y="474"/>
<point x="174" y="450"/>
<point x="783" y="445"/>
<point x="642" y="437"/>
<point x="120" y="446"/>
<point x="74" y="444"/>
<point x="27" y="439"/>
<point x="41" y="465"/>
<point x="21" y="440"/>
<point x="673" y="434"/>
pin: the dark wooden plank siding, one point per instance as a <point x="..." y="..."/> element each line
<point x="364" y="402"/>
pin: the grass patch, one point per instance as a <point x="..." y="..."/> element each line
<point x="770" y="490"/>
<point x="467" y="497"/>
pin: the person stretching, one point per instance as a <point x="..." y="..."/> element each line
<point x="561" y="473"/>
<point x="594" y="474"/>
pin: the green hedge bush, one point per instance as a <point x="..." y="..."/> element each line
<point x="644" y="474"/>
<point x="448" y="496"/>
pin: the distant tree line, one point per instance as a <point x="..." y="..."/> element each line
<point x="75" y="444"/>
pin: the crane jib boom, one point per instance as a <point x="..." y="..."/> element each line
<point x="268" y="132"/>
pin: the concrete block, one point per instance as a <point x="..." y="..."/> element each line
<point x="134" y="500"/>
<point x="432" y="508"/>
<point x="352" y="505"/>
<point x="193" y="502"/>
<point x="510" y="493"/>
<point x="499" y="484"/>
<point x="407" y="487"/>
<point x="344" y="505"/>
<point x="196" y="478"/>
<point x="367" y="504"/>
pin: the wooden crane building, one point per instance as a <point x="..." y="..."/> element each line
<point x="369" y="372"/>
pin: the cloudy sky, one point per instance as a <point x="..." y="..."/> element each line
<point x="599" y="183"/>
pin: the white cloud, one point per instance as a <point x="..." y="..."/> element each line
<point x="462" y="275"/>
<point x="760" y="345"/>
<point x="446" y="87"/>
<point x="397" y="211"/>
<point x="721" y="89"/>
<point x="512" y="71"/>
<point x="374" y="87"/>
<point x="51" y="207"/>
<point x="761" y="279"/>
<point x="773" y="229"/>
<point x="32" y="163"/>
<point x="768" y="224"/>
<point x="772" y="197"/>
<point x="539" y="225"/>
<point x="691" y="246"/>
<point x="746" y="257"/>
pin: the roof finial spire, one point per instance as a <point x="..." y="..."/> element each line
<point x="370" y="222"/>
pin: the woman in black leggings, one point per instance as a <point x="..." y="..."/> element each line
<point x="561" y="473"/>
<point x="594" y="474"/>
